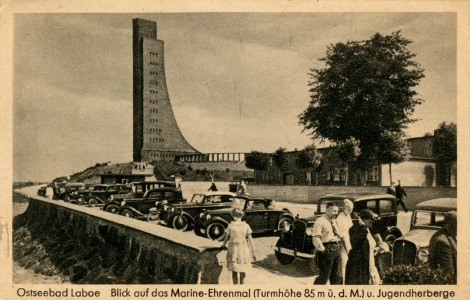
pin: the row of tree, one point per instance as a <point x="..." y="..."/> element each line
<point x="361" y="102"/>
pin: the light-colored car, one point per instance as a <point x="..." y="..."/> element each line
<point x="427" y="218"/>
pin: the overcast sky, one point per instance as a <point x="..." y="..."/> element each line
<point x="237" y="81"/>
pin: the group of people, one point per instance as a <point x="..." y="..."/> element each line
<point x="346" y="243"/>
<point x="399" y="192"/>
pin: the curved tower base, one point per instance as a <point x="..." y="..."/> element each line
<point x="156" y="132"/>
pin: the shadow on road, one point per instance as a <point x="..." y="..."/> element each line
<point x="298" y="268"/>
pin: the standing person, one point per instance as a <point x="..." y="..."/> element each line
<point x="400" y="192"/>
<point x="213" y="188"/>
<point x="240" y="250"/>
<point x="326" y="239"/>
<point x="344" y="223"/>
<point x="241" y="189"/>
<point x="443" y="246"/>
<point x="49" y="192"/>
<point x="391" y="189"/>
<point x="360" y="269"/>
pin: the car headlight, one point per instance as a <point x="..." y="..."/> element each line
<point x="309" y="231"/>
<point x="123" y="202"/>
<point x="111" y="197"/>
<point x="172" y="209"/>
<point x="423" y="254"/>
<point x="207" y="216"/>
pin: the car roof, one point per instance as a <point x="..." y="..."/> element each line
<point x="357" y="196"/>
<point x="446" y="204"/>
<point x="164" y="189"/>
<point x="216" y="194"/>
<point x="75" y="184"/>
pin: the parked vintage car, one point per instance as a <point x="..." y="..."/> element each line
<point x="296" y="240"/>
<point x="260" y="214"/>
<point x="427" y="218"/>
<point x="138" y="188"/>
<point x="100" y="194"/>
<point x="149" y="206"/>
<point x="181" y="216"/>
<point x="70" y="188"/>
<point x="42" y="191"/>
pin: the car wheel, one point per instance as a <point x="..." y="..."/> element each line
<point x="127" y="213"/>
<point x="153" y="216"/>
<point x="197" y="231"/>
<point x="283" y="222"/>
<point x="81" y="200"/>
<point x="284" y="259"/>
<point x="313" y="263"/>
<point x="112" y="209"/>
<point x="92" y="202"/>
<point x="389" y="239"/>
<point x="180" y="222"/>
<point x="67" y="198"/>
<point x="216" y="231"/>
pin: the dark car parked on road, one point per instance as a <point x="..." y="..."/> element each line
<point x="139" y="188"/>
<point x="427" y="218"/>
<point x="260" y="214"/>
<point x="181" y="216"/>
<point x="296" y="240"/>
<point x="100" y="194"/>
<point x="149" y="206"/>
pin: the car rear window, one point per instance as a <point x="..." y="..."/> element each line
<point x="428" y="218"/>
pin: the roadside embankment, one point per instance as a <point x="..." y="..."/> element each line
<point x="89" y="246"/>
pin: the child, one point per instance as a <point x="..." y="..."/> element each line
<point x="240" y="251"/>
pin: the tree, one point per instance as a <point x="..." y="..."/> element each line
<point x="256" y="160"/>
<point x="445" y="152"/>
<point x="279" y="157"/>
<point x="393" y="150"/>
<point x="365" y="92"/>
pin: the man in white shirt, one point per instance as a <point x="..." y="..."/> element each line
<point x="328" y="244"/>
<point x="344" y="223"/>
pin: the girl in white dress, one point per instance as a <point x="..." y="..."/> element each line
<point x="240" y="250"/>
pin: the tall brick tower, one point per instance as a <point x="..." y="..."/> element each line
<point x="156" y="133"/>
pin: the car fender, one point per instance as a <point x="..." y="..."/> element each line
<point x="179" y="212"/>
<point x="135" y="211"/>
<point x="94" y="197"/>
<point x="394" y="230"/>
<point x="215" y="219"/>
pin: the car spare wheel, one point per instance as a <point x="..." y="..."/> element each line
<point x="180" y="222"/>
<point x="216" y="231"/>
<point x="127" y="213"/>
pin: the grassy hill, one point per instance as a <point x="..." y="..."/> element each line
<point x="200" y="171"/>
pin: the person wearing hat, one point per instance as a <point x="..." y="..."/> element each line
<point x="443" y="246"/>
<point x="344" y="223"/>
<point x="360" y="268"/>
<point x="327" y="242"/>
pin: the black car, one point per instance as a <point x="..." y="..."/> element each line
<point x="99" y="194"/>
<point x="181" y="216"/>
<point x="260" y="214"/>
<point x="138" y="188"/>
<point x="296" y="240"/>
<point x="146" y="206"/>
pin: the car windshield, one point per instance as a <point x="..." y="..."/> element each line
<point x="256" y="204"/>
<point x="322" y="204"/>
<point x="428" y="218"/>
<point x="238" y="202"/>
<point x="197" y="198"/>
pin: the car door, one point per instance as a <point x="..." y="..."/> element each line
<point x="149" y="201"/>
<point x="256" y="215"/>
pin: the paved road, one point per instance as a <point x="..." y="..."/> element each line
<point x="267" y="270"/>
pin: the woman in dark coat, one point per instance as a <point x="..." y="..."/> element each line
<point x="360" y="263"/>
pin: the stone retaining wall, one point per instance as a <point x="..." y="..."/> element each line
<point x="89" y="246"/>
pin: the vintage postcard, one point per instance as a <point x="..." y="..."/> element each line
<point x="213" y="149"/>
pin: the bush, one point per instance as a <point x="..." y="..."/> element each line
<point x="423" y="274"/>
